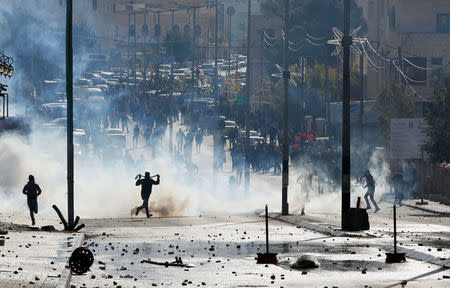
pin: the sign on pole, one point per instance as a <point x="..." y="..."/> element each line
<point x="407" y="138"/>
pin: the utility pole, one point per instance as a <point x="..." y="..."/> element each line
<point x="229" y="42"/>
<point x="69" y="94"/>
<point x="327" y="93"/>
<point x="128" y="52"/>
<point x="286" y="76"/>
<point x="400" y="61"/>
<point x="158" y="36"/>
<point x="193" y="50"/>
<point x="135" y="50"/>
<point x="247" y="110"/>
<point x="145" y="45"/>
<point x="361" y="101"/>
<point x="216" y="90"/>
<point x="302" y="91"/>
<point x="171" y="90"/>
<point x="346" y="43"/>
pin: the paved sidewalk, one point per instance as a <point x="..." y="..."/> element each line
<point x="418" y="237"/>
<point x="430" y="207"/>
<point x="35" y="258"/>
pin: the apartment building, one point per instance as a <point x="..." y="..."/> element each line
<point x="417" y="31"/>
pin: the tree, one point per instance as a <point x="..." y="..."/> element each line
<point x="391" y="103"/>
<point x="438" y="119"/>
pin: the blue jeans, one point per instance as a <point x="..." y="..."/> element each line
<point x="369" y="193"/>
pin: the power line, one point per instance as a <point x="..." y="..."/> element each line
<point x="315" y="44"/>
<point x="318" y="38"/>
<point x="368" y="57"/>
<point x="423" y="68"/>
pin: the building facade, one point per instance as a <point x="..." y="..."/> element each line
<point x="415" y="31"/>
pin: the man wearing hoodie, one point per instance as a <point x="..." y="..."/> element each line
<point x="146" y="184"/>
<point x="32" y="190"/>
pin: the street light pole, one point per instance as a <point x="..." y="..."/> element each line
<point x="286" y="76"/>
<point x="69" y="95"/>
<point x="172" y="87"/>
<point x="247" y="104"/>
<point x="193" y="50"/>
<point x="346" y="43"/>
<point x="216" y="90"/>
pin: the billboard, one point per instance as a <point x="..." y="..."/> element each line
<point x="407" y="138"/>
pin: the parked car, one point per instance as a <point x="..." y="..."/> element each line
<point x="115" y="138"/>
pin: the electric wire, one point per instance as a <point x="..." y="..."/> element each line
<point x="268" y="37"/>
<point x="318" y="38"/>
<point x="315" y="44"/>
<point x="369" y="59"/>
<point x="423" y="68"/>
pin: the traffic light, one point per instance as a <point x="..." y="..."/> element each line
<point x="197" y="71"/>
<point x="144" y="30"/>
<point x="157" y="30"/>
<point x="186" y="29"/>
<point x="132" y="30"/>
<point x="197" y="30"/>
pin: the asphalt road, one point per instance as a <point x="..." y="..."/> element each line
<point x="223" y="249"/>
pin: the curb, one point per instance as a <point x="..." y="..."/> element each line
<point x="426" y="210"/>
<point x="420" y="256"/>
<point x="66" y="275"/>
<point x="323" y="229"/>
<point x="410" y="253"/>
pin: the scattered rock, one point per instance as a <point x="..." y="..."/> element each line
<point x="306" y="262"/>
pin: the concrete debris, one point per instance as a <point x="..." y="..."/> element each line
<point x="306" y="262"/>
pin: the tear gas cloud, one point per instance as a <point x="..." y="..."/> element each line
<point x="105" y="188"/>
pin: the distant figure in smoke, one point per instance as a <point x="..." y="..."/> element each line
<point x="370" y="184"/>
<point x="32" y="190"/>
<point x="398" y="182"/>
<point x="180" y="139"/>
<point x="146" y="189"/>
<point x="136" y="135"/>
<point x="198" y="140"/>
<point x="124" y="120"/>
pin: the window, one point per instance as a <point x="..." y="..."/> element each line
<point x="94" y="4"/>
<point x="60" y="2"/>
<point x="114" y="8"/>
<point x="442" y="23"/>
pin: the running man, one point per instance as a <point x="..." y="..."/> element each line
<point x="146" y="189"/>
<point x="32" y="190"/>
<point x="370" y="184"/>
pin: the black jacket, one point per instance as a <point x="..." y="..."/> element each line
<point x="146" y="186"/>
<point x="32" y="190"/>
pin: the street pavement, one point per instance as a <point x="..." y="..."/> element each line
<point x="223" y="250"/>
<point x="223" y="247"/>
<point x="34" y="258"/>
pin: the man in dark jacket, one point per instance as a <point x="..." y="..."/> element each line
<point x="32" y="190"/>
<point x="370" y="184"/>
<point x="146" y="189"/>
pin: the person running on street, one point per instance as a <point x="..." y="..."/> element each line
<point x="146" y="189"/>
<point x="32" y="190"/>
<point x="370" y="184"/>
